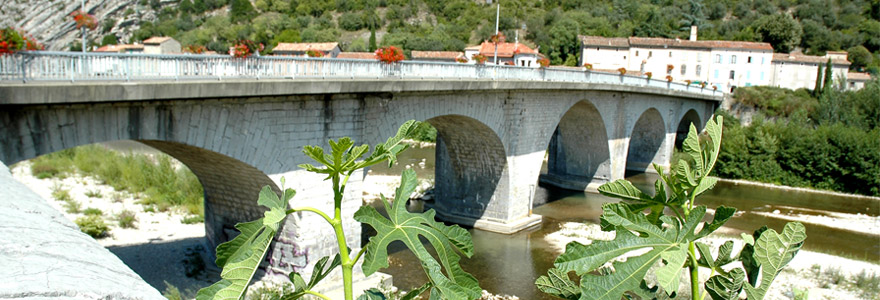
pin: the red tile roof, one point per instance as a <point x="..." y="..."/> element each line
<point x="505" y="49"/>
<point x="156" y="40"/>
<point x="356" y="55"/>
<point x="436" y="55"/>
<point x="118" y="48"/>
<point x="303" y="47"/>
<point x="598" y="41"/>
<point x="801" y="58"/>
<point x="858" y="76"/>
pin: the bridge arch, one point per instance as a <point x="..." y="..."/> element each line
<point x="684" y="124"/>
<point x="470" y="169"/>
<point x="578" y="153"/>
<point x="646" y="142"/>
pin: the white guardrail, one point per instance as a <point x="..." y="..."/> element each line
<point x="28" y="66"/>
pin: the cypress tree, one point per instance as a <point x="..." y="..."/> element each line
<point x="373" y="38"/>
<point x="826" y="85"/>
<point x="818" y="86"/>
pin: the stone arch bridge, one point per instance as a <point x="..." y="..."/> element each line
<point x="237" y="136"/>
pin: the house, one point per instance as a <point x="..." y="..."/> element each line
<point x="724" y="64"/>
<point x="161" y="45"/>
<point x="123" y="48"/>
<point x="512" y="54"/>
<point x="437" y="56"/>
<point x="856" y="81"/>
<point x="330" y="50"/>
<point x="357" y="55"/>
<point x="796" y="70"/>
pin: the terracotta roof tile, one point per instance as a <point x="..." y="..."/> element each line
<point x="156" y="40"/>
<point x="356" y="55"/>
<point x="801" y="58"/>
<point x="858" y="76"/>
<point x="303" y="47"/>
<point x="505" y="49"/>
<point x="448" y="55"/>
<point x="598" y="41"/>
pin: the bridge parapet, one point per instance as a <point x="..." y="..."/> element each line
<point x="32" y="66"/>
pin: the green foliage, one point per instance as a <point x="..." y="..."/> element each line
<point x="91" y="211"/>
<point x="126" y="219"/>
<point x="780" y="30"/>
<point x="669" y="239"/>
<point x="72" y="206"/>
<point x="95" y="193"/>
<point x="92" y="225"/>
<point x="776" y="102"/>
<point x="240" y="257"/>
<point x="859" y="57"/>
<point x="192" y="219"/>
<point x="424" y="133"/>
<point x="408" y="228"/>
<point x="241" y="10"/>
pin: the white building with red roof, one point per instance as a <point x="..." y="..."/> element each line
<point x="796" y="70"/>
<point x="724" y="64"/>
<point x="511" y="54"/>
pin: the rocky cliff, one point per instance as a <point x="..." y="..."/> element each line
<point x="50" y="23"/>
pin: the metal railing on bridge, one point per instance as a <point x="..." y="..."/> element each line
<point x="28" y="66"/>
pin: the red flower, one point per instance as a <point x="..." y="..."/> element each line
<point x="314" y="53"/>
<point x="480" y="59"/>
<point x="84" y="19"/>
<point x="389" y="54"/>
<point x="544" y="62"/>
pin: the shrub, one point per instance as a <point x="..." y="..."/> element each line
<point x="91" y="211"/>
<point x="351" y="21"/>
<point x="192" y="219"/>
<point x="544" y="62"/>
<point x="479" y="58"/>
<point x="94" y="194"/>
<point x="126" y="219"/>
<point x="389" y="54"/>
<point x="195" y="49"/>
<point x="72" y="206"/>
<point x="314" y="53"/>
<point x="94" y="226"/>
<point x="246" y="48"/>
<point x="61" y="194"/>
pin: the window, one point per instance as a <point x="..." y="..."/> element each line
<point x="683" y="69"/>
<point x="762" y="75"/>
<point x="732" y="59"/>
<point x="762" y="60"/>
<point x="717" y="58"/>
<point x="699" y="68"/>
<point x="650" y="53"/>
<point x="732" y="75"/>
<point x="716" y="74"/>
<point x="637" y="53"/>
<point x="670" y="53"/>
<point x="749" y="60"/>
<point x="748" y="75"/>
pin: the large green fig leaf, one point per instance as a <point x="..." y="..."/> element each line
<point x="726" y="287"/>
<point x="408" y="227"/>
<point x="556" y="283"/>
<point x="344" y="156"/>
<point x="241" y="256"/>
<point x="666" y="243"/>
<point x="774" y="251"/>
<point x="319" y="272"/>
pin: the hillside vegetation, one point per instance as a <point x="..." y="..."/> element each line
<point x="816" y="26"/>
<point x="829" y="142"/>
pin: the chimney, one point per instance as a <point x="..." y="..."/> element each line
<point x="693" y="33"/>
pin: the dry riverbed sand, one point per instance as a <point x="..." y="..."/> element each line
<point x="162" y="242"/>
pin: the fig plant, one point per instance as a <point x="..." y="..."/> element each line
<point x="660" y="234"/>
<point x="240" y="257"/>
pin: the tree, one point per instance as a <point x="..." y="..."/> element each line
<point x="373" y="46"/>
<point x="859" y="57"/>
<point x="563" y="40"/>
<point x="780" y="30"/>
<point x="818" y="87"/>
<point x="241" y="10"/>
<point x="109" y="39"/>
<point x="826" y="85"/>
<point x="185" y="6"/>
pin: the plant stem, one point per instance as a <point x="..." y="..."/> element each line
<point x="347" y="264"/>
<point x="310" y="209"/>
<point x="318" y="295"/>
<point x="695" y="272"/>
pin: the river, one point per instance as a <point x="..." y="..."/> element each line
<point x="509" y="264"/>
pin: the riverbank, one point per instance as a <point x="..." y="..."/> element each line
<point x="796" y="189"/>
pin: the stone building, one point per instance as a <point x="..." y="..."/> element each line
<point x="161" y="45"/>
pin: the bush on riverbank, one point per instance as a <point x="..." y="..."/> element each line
<point x="155" y="178"/>
<point x="833" y="146"/>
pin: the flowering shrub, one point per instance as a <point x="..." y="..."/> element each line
<point x="622" y="71"/>
<point x="314" y="53"/>
<point x="83" y="19"/>
<point x="245" y="48"/>
<point x="389" y="54"/>
<point x="649" y="74"/>
<point x="589" y="66"/>
<point x="544" y="62"/>
<point x="195" y="49"/>
<point x="669" y="78"/>
<point x="461" y="59"/>
<point x="669" y="68"/>
<point x="11" y="41"/>
<point x="479" y="58"/>
<point x="498" y="38"/>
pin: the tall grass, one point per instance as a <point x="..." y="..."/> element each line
<point x="155" y="178"/>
